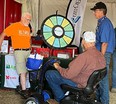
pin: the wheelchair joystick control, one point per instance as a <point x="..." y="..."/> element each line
<point x="53" y="60"/>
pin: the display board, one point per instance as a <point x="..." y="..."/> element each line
<point x="57" y="31"/>
<point x="11" y="78"/>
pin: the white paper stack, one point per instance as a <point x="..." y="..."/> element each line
<point x="63" y="55"/>
<point x="37" y="56"/>
<point x="4" y="47"/>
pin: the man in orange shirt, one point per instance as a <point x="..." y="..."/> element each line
<point x="20" y="37"/>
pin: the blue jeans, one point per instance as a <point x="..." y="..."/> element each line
<point x="55" y="80"/>
<point x="103" y="90"/>
<point x="114" y="69"/>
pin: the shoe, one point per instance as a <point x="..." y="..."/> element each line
<point x="52" y="101"/>
<point x="18" y="89"/>
<point x="25" y="93"/>
<point x="113" y="90"/>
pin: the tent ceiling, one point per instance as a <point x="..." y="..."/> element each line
<point x="109" y="1"/>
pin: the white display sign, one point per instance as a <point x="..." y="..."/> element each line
<point x="11" y="76"/>
<point x="75" y="14"/>
<point x="4" y="47"/>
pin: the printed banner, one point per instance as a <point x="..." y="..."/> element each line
<point x="75" y="13"/>
<point x="11" y="76"/>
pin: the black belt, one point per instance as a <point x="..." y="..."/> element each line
<point x="22" y="49"/>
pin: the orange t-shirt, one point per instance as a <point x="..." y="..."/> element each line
<point x="20" y="35"/>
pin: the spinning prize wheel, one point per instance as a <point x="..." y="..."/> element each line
<point x="57" y="31"/>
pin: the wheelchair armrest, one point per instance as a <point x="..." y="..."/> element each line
<point x="70" y="88"/>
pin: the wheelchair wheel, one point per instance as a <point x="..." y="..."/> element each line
<point x="32" y="100"/>
<point x="35" y="99"/>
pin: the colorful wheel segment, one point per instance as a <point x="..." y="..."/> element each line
<point x="57" y="31"/>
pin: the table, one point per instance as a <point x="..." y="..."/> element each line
<point x="8" y="74"/>
<point x="2" y="67"/>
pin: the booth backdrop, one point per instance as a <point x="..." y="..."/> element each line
<point x="40" y="9"/>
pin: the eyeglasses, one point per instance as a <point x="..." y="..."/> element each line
<point x="28" y="19"/>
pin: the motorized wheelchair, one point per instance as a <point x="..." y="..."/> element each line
<point x="83" y="95"/>
<point x="76" y="95"/>
<point x="40" y="96"/>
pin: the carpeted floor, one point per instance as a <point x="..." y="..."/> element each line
<point x="11" y="97"/>
<point x="112" y="98"/>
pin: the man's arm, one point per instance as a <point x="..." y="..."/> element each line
<point x="104" y="48"/>
<point x="2" y="38"/>
<point x="74" y="67"/>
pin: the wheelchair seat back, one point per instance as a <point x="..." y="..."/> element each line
<point x="93" y="80"/>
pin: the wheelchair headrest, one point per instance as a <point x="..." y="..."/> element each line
<point x="94" y="79"/>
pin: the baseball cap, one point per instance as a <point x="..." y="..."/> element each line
<point x="99" y="5"/>
<point x="89" y="36"/>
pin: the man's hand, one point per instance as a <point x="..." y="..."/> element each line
<point x="56" y="65"/>
<point x="104" y="48"/>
